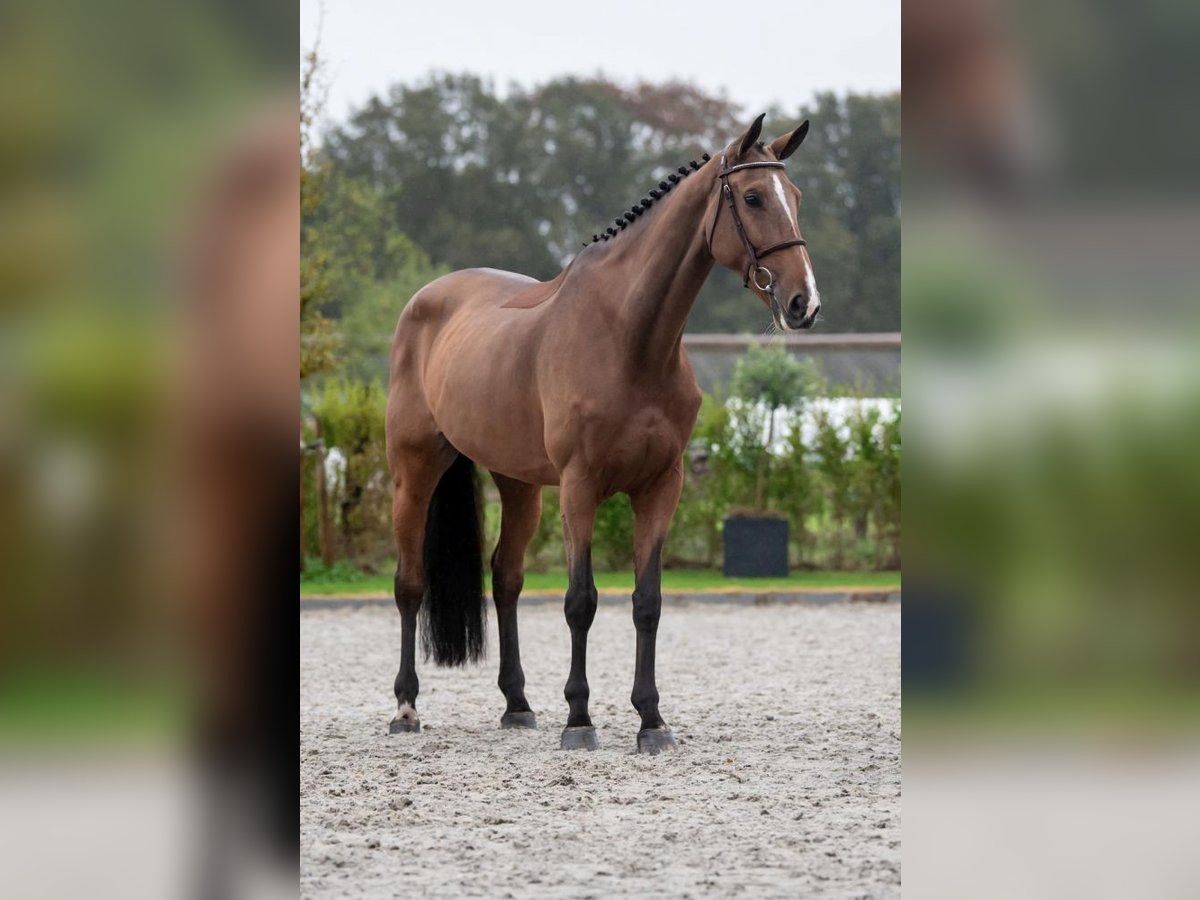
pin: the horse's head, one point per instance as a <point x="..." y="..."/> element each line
<point x="754" y="228"/>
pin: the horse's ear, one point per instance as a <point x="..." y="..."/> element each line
<point x="751" y="135"/>
<point x="785" y="146"/>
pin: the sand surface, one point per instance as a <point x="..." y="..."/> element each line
<point x="786" y="782"/>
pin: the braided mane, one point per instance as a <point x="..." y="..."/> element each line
<point x="664" y="187"/>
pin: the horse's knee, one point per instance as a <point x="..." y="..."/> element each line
<point x="644" y="697"/>
<point x="580" y="605"/>
<point x="647" y="609"/>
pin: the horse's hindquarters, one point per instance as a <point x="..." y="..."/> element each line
<point x="472" y="364"/>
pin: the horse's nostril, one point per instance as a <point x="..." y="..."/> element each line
<point x="796" y="306"/>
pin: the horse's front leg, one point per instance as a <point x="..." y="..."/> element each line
<point x="653" y="508"/>
<point x="579" y="504"/>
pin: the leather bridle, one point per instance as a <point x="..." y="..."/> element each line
<point x="753" y="266"/>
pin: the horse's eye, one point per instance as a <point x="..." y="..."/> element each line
<point x="752" y="199"/>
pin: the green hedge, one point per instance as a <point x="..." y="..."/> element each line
<point x="835" y="477"/>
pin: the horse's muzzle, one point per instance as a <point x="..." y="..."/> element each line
<point x="801" y="311"/>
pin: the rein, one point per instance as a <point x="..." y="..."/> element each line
<point x="753" y="267"/>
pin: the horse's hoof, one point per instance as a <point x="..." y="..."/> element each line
<point x="579" y="737"/>
<point x="523" y="719"/>
<point x="404" y="726"/>
<point x="655" y="740"/>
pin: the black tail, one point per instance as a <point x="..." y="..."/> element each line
<point x="453" y="613"/>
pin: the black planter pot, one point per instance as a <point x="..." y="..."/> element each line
<point x="756" y="547"/>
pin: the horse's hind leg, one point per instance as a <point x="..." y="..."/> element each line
<point x="415" y="478"/>
<point x="522" y="509"/>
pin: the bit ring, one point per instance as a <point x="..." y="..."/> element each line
<point x="770" y="278"/>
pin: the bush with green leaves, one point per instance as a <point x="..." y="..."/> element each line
<point x="831" y="465"/>
<point x="712" y="476"/>
<point x="831" y="462"/>
<point x="351" y="418"/>
<point x="769" y="384"/>
<point x="781" y="444"/>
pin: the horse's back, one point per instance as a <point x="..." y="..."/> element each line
<point x="444" y="297"/>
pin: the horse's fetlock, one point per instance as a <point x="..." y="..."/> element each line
<point x="511" y="683"/>
<point x="577" y="692"/>
<point x="644" y="699"/>
<point x="406" y="687"/>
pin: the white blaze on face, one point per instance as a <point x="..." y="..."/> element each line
<point x="781" y="196"/>
<point x="810" y="280"/>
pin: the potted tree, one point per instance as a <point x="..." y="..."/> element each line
<point x="769" y="385"/>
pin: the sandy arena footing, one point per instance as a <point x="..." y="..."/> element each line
<point x="786" y="782"/>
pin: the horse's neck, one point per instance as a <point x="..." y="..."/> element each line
<point x="655" y="278"/>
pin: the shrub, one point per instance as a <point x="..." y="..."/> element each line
<point x="833" y="468"/>
<point x="713" y="478"/>
<point x="351" y="417"/>
<point x="795" y="492"/>
<point x="887" y="474"/>
<point x="768" y="382"/>
<point x="831" y="448"/>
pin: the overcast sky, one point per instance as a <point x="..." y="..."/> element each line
<point x="755" y="53"/>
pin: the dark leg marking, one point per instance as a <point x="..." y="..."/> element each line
<point x="654" y="736"/>
<point x="521" y="510"/>
<point x="408" y="601"/>
<point x="506" y="589"/>
<point x="580" y="609"/>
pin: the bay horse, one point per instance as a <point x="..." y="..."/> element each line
<point x="580" y="382"/>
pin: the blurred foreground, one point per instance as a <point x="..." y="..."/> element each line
<point x="147" y="396"/>
<point x="1052" y="631"/>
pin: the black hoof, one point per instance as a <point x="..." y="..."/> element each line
<point x="655" y="740"/>
<point x="579" y="737"/>
<point x="404" y="726"/>
<point x="523" y="719"/>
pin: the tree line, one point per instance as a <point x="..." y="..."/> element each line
<point x="452" y="173"/>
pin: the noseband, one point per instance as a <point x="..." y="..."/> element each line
<point x="753" y="267"/>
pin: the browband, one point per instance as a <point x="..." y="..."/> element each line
<point x="761" y="164"/>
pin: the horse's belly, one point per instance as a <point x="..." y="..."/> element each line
<point x="500" y="448"/>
